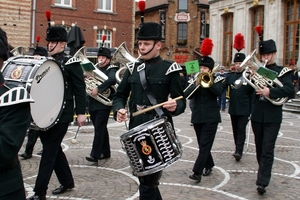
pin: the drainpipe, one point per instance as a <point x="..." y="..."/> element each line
<point x="33" y="22"/>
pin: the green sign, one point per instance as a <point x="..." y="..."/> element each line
<point x="268" y="73"/>
<point x="191" y="67"/>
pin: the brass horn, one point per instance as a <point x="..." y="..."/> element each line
<point x="93" y="77"/>
<point x="18" y="51"/>
<point x="254" y="79"/>
<point x="204" y="79"/>
<point x="122" y="56"/>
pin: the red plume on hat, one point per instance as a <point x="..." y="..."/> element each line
<point x="142" y="6"/>
<point x="206" y="47"/>
<point x="239" y="42"/>
<point x="292" y="62"/>
<point x="48" y="16"/>
<point x="38" y="38"/>
<point x="259" y="31"/>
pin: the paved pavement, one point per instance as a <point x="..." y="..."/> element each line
<point x="112" y="179"/>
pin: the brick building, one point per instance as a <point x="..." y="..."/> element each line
<point x="185" y="24"/>
<point x="23" y="20"/>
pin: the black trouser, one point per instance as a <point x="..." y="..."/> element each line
<point x="265" y="138"/>
<point x="205" y="133"/>
<point x="239" y="123"/>
<point x="53" y="158"/>
<point x="31" y="140"/>
<point x="149" y="186"/>
<point x="101" y="138"/>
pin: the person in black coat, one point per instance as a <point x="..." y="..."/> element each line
<point x="14" y="121"/>
<point x="100" y="111"/>
<point x="206" y="113"/>
<point x="53" y="158"/>
<point x="164" y="82"/>
<point x="266" y="117"/>
<point x="240" y="101"/>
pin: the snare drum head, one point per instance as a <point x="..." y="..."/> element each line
<point x="48" y="91"/>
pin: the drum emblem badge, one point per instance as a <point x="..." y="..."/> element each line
<point x="16" y="73"/>
<point x="146" y="149"/>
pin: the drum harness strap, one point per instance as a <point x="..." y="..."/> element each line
<point x="146" y="87"/>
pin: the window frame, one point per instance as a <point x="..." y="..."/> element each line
<point x="107" y="42"/>
<point x="228" y="37"/>
<point x="104" y="3"/>
<point x="180" y="34"/>
<point x="63" y="4"/>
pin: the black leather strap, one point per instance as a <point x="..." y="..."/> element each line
<point x="148" y="91"/>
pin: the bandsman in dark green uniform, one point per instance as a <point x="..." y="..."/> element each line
<point x="241" y="95"/>
<point x="164" y="82"/>
<point x="266" y="117"/>
<point x="206" y="112"/>
<point x="14" y="122"/>
<point x="100" y="111"/>
<point x="53" y="158"/>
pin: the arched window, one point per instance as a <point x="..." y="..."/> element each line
<point x="291" y="31"/>
<point x="227" y="39"/>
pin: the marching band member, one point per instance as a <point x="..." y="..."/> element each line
<point x="161" y="78"/>
<point x="100" y="112"/>
<point x="266" y="117"/>
<point x="241" y="95"/>
<point x="53" y="158"/>
<point x="206" y="114"/>
<point x="14" y="121"/>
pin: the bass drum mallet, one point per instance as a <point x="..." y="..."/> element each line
<point x="74" y="141"/>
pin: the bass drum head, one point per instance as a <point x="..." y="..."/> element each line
<point x="48" y="91"/>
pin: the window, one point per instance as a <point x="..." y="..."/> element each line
<point x="257" y="20"/>
<point x="63" y="3"/>
<point x="182" y="34"/>
<point x="182" y="5"/>
<point x="107" y="42"/>
<point x="291" y="31"/>
<point x="227" y="39"/>
<point x="105" y="5"/>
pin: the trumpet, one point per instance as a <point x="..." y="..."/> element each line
<point x="204" y="79"/>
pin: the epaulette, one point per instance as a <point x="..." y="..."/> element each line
<point x="173" y="68"/>
<point x="130" y="66"/>
<point x="218" y="79"/>
<point x="14" y="96"/>
<point x="112" y="66"/>
<point x="72" y="60"/>
<point x="283" y="71"/>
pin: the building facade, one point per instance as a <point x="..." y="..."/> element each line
<point x="184" y="26"/>
<point x="24" y="20"/>
<point x="279" y="19"/>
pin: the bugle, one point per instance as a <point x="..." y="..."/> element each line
<point x="204" y="79"/>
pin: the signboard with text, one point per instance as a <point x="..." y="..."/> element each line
<point x="192" y="67"/>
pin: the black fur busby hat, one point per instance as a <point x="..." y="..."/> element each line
<point x="40" y="51"/>
<point x="104" y="52"/>
<point x="239" y="44"/>
<point x="206" y="50"/>
<point x="267" y="46"/>
<point x="3" y="45"/>
<point x="149" y="31"/>
<point x="56" y="33"/>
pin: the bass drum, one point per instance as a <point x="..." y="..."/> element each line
<point x="43" y="78"/>
<point x="151" y="146"/>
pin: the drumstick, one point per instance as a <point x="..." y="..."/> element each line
<point x="152" y="107"/>
<point x="74" y="141"/>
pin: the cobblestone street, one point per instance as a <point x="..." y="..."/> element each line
<point x="112" y="178"/>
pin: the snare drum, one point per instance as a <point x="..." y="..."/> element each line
<point x="151" y="146"/>
<point x="45" y="82"/>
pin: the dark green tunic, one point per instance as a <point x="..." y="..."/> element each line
<point x="263" y="110"/>
<point x="240" y="100"/>
<point x="162" y="86"/>
<point x="14" y="122"/>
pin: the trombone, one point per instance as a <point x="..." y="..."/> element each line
<point x="204" y="79"/>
